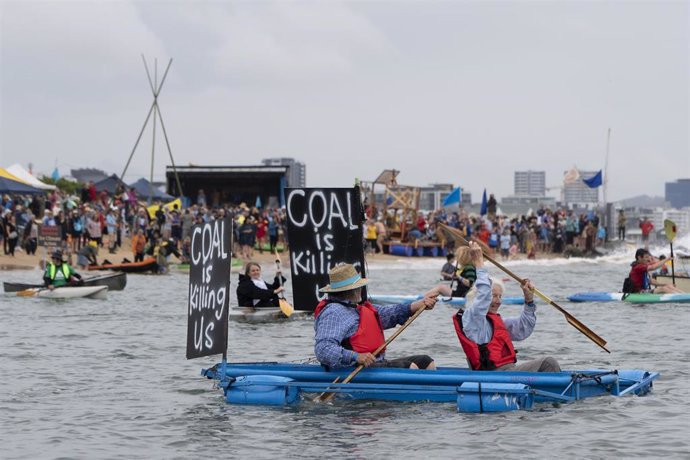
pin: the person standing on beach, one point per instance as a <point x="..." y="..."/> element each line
<point x="646" y="226"/>
<point x="622" y="221"/>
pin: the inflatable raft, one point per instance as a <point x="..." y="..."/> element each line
<point x="631" y="298"/>
<point x="114" y="281"/>
<point x="385" y="299"/>
<point x="147" y="265"/>
<point x="471" y="391"/>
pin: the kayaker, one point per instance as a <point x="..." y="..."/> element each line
<point x="254" y="292"/>
<point x="448" y="269"/>
<point x="348" y="331"/>
<point x="466" y="273"/>
<point x="486" y="338"/>
<point x="58" y="273"/>
<point x="639" y="276"/>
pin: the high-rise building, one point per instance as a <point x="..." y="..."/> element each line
<point x="530" y="183"/>
<point x="579" y="193"/>
<point x="678" y="193"/>
<point x="297" y="171"/>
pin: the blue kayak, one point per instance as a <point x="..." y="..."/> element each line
<point x="471" y="391"/>
<point x="631" y="298"/>
<point x="459" y="301"/>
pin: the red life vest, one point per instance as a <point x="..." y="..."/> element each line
<point x="368" y="336"/>
<point x="497" y="352"/>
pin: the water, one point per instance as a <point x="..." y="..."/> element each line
<point x="108" y="379"/>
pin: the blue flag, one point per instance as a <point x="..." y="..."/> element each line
<point x="389" y="200"/>
<point x="594" y="181"/>
<point x="453" y="197"/>
<point x="56" y="175"/>
<point x="485" y="206"/>
<point x="258" y="202"/>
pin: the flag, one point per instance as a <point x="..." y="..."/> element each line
<point x="454" y="197"/>
<point x="484" y="209"/>
<point x="571" y="176"/>
<point x="594" y="181"/>
<point x="389" y="200"/>
<point x="258" y="202"/>
<point x="56" y="175"/>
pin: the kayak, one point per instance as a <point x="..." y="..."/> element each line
<point x="682" y="281"/>
<point x="385" y="299"/>
<point x="67" y="292"/>
<point x="114" y="281"/>
<point x="147" y="265"/>
<point x="471" y="391"/>
<point x="632" y="298"/>
<point x="262" y="315"/>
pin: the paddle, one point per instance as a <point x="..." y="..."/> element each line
<point x="29" y="292"/>
<point x="327" y="396"/>
<point x="284" y="305"/>
<point x="670" y="229"/>
<point x="570" y="318"/>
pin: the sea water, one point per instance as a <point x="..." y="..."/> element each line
<point x="109" y="379"/>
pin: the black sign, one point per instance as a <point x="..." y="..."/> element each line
<point x="324" y="229"/>
<point x="50" y="236"/>
<point x="209" y="289"/>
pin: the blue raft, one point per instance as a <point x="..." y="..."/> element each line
<point x="472" y="391"/>
<point x="384" y="299"/>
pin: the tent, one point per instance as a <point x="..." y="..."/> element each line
<point x="20" y="172"/>
<point x="109" y="184"/>
<point x="144" y="188"/>
<point x="9" y="183"/>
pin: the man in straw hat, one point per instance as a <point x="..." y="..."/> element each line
<point x="347" y="331"/>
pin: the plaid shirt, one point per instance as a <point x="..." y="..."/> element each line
<point x="336" y="322"/>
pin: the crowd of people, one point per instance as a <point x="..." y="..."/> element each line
<point x="95" y="225"/>
<point x="544" y="231"/>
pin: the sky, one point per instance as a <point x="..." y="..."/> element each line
<point x="445" y="92"/>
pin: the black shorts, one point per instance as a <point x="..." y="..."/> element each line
<point x="422" y="362"/>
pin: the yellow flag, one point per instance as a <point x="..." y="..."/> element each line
<point x="167" y="206"/>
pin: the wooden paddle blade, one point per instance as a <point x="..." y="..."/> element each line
<point x="28" y="292"/>
<point x="285" y="307"/>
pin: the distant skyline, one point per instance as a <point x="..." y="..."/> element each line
<point x="445" y="92"/>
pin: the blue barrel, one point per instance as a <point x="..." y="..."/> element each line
<point x="262" y="389"/>
<point x="400" y="250"/>
<point x="494" y="397"/>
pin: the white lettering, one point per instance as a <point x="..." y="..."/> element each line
<point x="289" y="209"/>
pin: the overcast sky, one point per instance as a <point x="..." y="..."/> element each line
<point x="452" y="92"/>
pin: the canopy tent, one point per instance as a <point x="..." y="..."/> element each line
<point x="20" y="172"/>
<point x="9" y="183"/>
<point x="109" y="184"/>
<point x="144" y="190"/>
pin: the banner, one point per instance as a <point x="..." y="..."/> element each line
<point x="594" y="181"/>
<point x="209" y="288"/>
<point x="49" y="236"/>
<point x="324" y="229"/>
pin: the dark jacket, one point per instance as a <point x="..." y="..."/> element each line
<point x="247" y="291"/>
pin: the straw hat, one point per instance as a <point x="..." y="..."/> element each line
<point x="344" y="277"/>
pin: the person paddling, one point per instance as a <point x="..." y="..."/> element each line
<point x="639" y="274"/>
<point x="59" y="274"/>
<point x="348" y="331"/>
<point x="486" y="337"/>
<point x="254" y="292"/>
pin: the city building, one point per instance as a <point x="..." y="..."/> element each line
<point x="297" y="171"/>
<point x="578" y="194"/>
<point x="530" y="183"/>
<point x="678" y="193"/>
